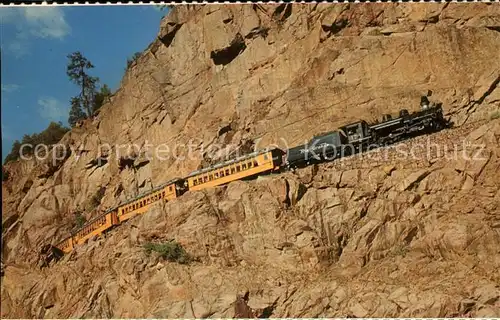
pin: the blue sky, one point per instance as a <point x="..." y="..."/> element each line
<point x="34" y="44"/>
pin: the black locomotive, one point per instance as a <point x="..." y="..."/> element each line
<point x="359" y="136"/>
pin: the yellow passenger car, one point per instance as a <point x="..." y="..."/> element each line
<point x="140" y="204"/>
<point x="66" y="245"/>
<point x="236" y="169"/>
<point x="123" y="212"/>
<point x="95" y="227"/>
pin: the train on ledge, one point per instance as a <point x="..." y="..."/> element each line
<point x="348" y="140"/>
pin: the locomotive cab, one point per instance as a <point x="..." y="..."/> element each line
<point x="386" y="117"/>
<point x="356" y="133"/>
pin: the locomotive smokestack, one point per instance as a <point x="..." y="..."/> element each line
<point x="424" y="102"/>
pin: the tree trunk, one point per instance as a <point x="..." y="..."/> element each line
<point x="84" y="96"/>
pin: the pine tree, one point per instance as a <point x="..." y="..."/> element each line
<point x="14" y="152"/>
<point x="53" y="134"/>
<point x="76" y="70"/>
<point x="50" y="136"/>
<point x="75" y="113"/>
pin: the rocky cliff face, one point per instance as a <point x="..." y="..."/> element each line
<point x="393" y="237"/>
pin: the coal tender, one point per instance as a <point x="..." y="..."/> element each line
<point x="323" y="147"/>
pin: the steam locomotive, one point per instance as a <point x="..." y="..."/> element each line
<point x="360" y="136"/>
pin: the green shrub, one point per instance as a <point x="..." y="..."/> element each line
<point x="171" y="251"/>
<point x="400" y="250"/>
<point x="80" y="220"/>
<point x="133" y="59"/>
